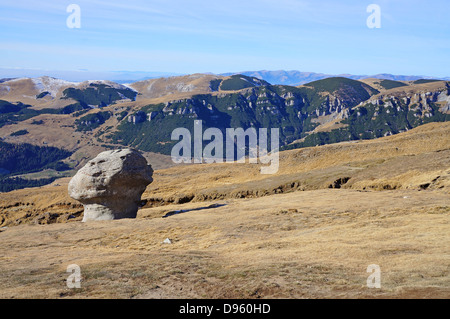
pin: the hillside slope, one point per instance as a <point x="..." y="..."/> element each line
<point x="238" y="234"/>
<point x="390" y="112"/>
<point x="414" y="160"/>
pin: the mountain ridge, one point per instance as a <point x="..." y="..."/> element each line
<point x="281" y="77"/>
<point x="296" y="78"/>
<point x="88" y="117"/>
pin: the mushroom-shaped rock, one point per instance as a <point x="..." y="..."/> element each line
<point x="110" y="186"/>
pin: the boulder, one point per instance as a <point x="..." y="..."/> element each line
<point x="110" y="186"/>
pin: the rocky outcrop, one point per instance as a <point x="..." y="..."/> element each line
<point x="110" y="186"/>
<point x="138" y="117"/>
<point x="419" y="102"/>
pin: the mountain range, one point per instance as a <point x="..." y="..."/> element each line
<point x="61" y="124"/>
<point x="298" y="78"/>
<point x="281" y="77"/>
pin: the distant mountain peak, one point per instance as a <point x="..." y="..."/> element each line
<point x="295" y="77"/>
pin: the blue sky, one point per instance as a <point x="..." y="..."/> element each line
<point x="190" y="36"/>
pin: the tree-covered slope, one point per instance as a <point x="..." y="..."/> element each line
<point x="289" y="108"/>
<point x="296" y="111"/>
<point x="99" y="94"/>
<point x="26" y="158"/>
<point x="239" y="82"/>
<point x="378" y="118"/>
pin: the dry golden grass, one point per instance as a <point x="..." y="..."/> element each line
<point x="24" y="90"/>
<point x="174" y="87"/>
<point x="413" y="89"/>
<point x="245" y="235"/>
<point x="409" y="160"/>
<point x="371" y="164"/>
<point x="313" y="244"/>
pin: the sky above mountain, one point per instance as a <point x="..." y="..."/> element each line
<point x="193" y="36"/>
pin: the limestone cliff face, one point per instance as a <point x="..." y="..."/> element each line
<point x="267" y="102"/>
<point x="421" y="103"/>
<point x="296" y="111"/>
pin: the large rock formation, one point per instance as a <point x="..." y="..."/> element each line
<point x="110" y="186"/>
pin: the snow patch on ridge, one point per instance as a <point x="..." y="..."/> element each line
<point x="114" y="85"/>
<point x="51" y="85"/>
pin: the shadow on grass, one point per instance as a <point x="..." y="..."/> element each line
<point x="176" y="212"/>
